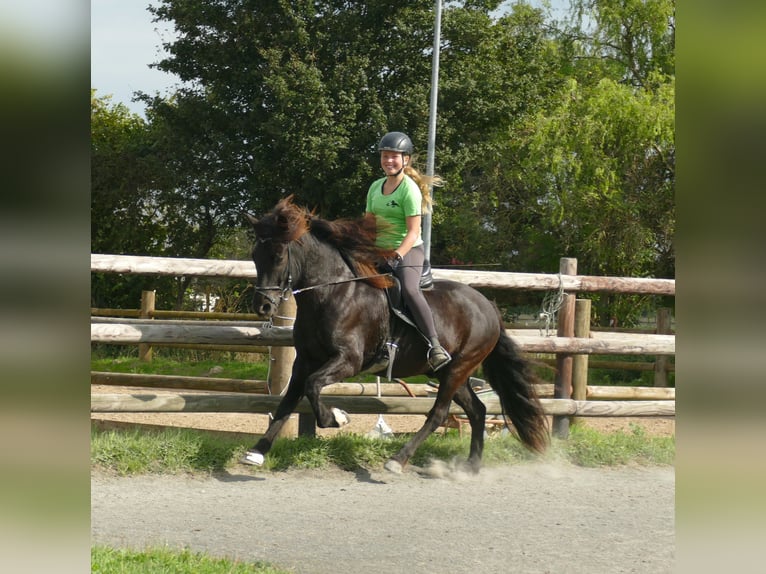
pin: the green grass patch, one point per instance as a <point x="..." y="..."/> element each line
<point x="192" y="365"/>
<point x="159" y="365"/>
<point x="587" y="447"/>
<point x="106" y="560"/>
<point x="170" y="450"/>
<point x="129" y="452"/>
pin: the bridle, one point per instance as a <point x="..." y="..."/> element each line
<point x="285" y="289"/>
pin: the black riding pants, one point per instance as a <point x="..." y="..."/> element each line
<point x="409" y="272"/>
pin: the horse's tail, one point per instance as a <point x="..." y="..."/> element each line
<point x="510" y="377"/>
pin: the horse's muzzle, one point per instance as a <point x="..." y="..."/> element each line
<point x="264" y="306"/>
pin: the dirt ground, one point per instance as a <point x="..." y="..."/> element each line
<point x="535" y="518"/>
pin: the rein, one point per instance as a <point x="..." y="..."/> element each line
<point x="296" y="291"/>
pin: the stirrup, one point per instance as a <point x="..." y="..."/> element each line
<point x="435" y="366"/>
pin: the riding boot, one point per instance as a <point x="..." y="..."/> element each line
<point x="437" y="355"/>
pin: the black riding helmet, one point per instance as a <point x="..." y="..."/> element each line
<point x="396" y="141"/>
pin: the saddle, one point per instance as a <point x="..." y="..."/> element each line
<point x="399" y="310"/>
<point x="387" y="353"/>
<point x="396" y="303"/>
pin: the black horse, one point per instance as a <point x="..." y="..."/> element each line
<point x="343" y="325"/>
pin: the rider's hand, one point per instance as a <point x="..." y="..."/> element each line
<point x="392" y="263"/>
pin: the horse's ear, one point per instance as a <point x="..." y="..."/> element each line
<point x="250" y="218"/>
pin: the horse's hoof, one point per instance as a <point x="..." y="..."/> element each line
<point x="393" y="466"/>
<point x="253" y="458"/>
<point x="341" y="417"/>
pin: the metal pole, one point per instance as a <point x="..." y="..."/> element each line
<point x="432" y="123"/>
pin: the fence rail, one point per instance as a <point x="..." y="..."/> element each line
<point x="100" y="263"/>
<point x="359" y="389"/>
<point x="239" y="403"/>
<point x="259" y="333"/>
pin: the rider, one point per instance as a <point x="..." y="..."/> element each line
<point x="400" y="198"/>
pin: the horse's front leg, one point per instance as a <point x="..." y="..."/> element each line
<point x="295" y="391"/>
<point x="334" y="370"/>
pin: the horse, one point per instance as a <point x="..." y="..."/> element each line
<point x="343" y="327"/>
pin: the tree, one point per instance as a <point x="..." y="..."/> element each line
<point x="286" y="100"/>
<point x="125" y="216"/>
<point x="599" y="163"/>
<point x="631" y="41"/>
<point x="586" y="169"/>
<point x="552" y="140"/>
<point x="496" y="74"/>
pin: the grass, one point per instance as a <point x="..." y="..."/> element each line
<point x="181" y="451"/>
<point x="587" y="447"/>
<point x="171" y="450"/>
<point x="106" y="560"/>
<point x="176" y="450"/>
<point x="200" y="364"/>
<point x="192" y="366"/>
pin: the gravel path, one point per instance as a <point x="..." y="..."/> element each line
<point x="529" y="518"/>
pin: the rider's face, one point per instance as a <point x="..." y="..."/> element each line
<point x="392" y="162"/>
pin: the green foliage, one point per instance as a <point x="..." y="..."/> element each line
<point x="554" y="138"/>
<point x="106" y="560"/>
<point x="124" y="212"/>
<point x="632" y="41"/>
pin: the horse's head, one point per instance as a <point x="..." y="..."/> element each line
<point x="274" y="232"/>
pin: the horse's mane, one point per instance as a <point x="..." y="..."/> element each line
<point x="353" y="238"/>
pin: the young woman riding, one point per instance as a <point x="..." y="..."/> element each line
<point x="400" y="198"/>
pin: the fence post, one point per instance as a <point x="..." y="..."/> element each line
<point x="580" y="362"/>
<point x="146" y="312"/>
<point x="661" y="361"/>
<point x="562" y="387"/>
<point x="282" y="359"/>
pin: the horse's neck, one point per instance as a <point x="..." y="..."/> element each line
<point x="319" y="264"/>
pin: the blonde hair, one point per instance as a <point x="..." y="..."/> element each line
<point x="425" y="183"/>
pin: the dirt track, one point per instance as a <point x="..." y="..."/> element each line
<point x="530" y="518"/>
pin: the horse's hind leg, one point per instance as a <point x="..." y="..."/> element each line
<point x="476" y="412"/>
<point x="436" y="416"/>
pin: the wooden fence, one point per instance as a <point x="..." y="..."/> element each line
<point x="569" y="398"/>
<point x="165" y="338"/>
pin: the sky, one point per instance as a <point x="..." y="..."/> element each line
<point x="124" y="41"/>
